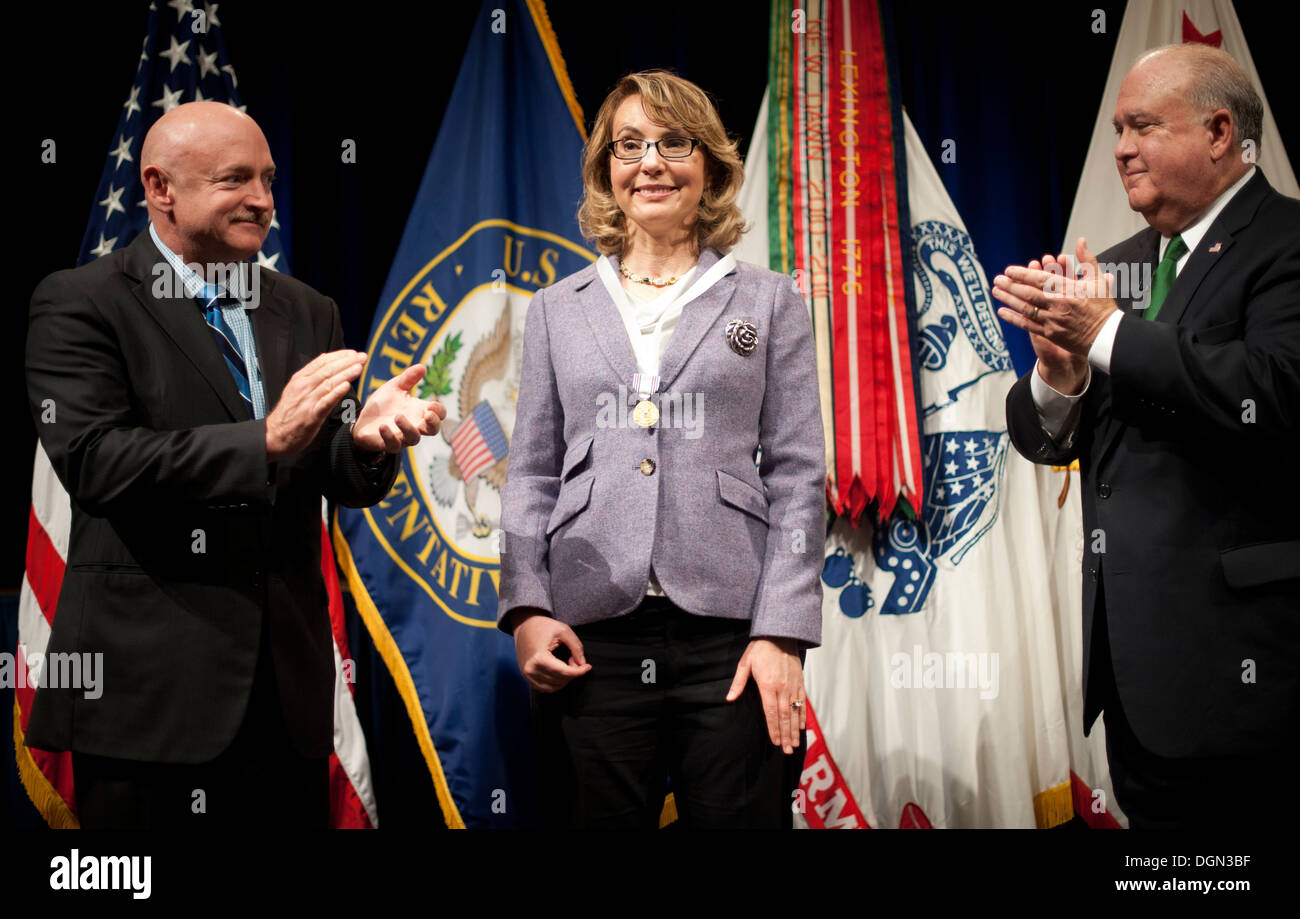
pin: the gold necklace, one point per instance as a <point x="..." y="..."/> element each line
<point x="657" y="282"/>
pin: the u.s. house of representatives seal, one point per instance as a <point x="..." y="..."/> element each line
<point x="462" y="316"/>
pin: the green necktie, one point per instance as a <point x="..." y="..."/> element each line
<point x="1165" y="274"/>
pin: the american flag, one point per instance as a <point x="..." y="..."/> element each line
<point x="478" y="442"/>
<point x="183" y="59"/>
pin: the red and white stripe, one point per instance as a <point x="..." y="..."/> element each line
<point x="352" y="797"/>
<point x="470" y="449"/>
<point x="47" y="776"/>
<point x="842" y="185"/>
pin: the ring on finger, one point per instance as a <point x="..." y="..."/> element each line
<point x="1035" y="315"/>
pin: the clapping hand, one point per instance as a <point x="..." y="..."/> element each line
<point x="392" y="419"/>
<point x="1061" y="312"/>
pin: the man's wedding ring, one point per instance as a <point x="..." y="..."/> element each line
<point x="1035" y="315"/>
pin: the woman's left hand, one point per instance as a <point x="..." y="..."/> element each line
<point x="774" y="664"/>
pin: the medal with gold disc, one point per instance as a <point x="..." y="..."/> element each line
<point x="646" y="413"/>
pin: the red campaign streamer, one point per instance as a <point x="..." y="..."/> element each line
<point x="812" y="94"/>
<point x="856" y="244"/>
<point x="867" y="39"/>
<point x="905" y="435"/>
<point x="867" y="229"/>
<point x="876" y="416"/>
<point x="873" y="444"/>
<point x="845" y="381"/>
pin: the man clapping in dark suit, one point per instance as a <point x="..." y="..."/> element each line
<point x="1182" y="405"/>
<point x="193" y="563"/>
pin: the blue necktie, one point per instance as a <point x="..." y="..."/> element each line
<point x="229" y="347"/>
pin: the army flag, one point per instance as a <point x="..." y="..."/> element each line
<point x="937" y="698"/>
<point x="938" y="687"/>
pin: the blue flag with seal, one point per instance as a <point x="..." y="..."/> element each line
<point x="494" y="221"/>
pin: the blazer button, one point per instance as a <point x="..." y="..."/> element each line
<point x="1103" y="490"/>
<point x="647" y="467"/>
<point x="1093" y="573"/>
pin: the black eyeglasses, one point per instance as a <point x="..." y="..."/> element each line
<point x="671" y="147"/>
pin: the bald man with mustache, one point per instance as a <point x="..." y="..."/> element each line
<point x="199" y="413"/>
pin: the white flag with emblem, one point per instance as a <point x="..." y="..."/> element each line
<point x="941" y="689"/>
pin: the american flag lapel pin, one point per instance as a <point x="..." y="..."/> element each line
<point x="1215" y="248"/>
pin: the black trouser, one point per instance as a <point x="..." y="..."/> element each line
<point x="260" y="779"/>
<point x="1220" y="793"/>
<point x="650" y="716"/>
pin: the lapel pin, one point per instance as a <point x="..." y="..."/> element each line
<point x="742" y="336"/>
<point x="1216" y="247"/>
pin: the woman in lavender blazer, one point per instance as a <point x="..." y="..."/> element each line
<point x="660" y="572"/>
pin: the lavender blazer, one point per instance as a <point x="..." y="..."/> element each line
<point x="584" y="514"/>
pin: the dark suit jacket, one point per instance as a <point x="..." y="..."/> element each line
<point x="153" y="445"/>
<point x="1186" y="450"/>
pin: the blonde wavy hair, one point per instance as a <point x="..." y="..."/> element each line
<point x="680" y="105"/>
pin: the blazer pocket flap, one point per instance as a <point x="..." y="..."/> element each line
<point x="571" y="501"/>
<point x="1218" y="334"/>
<point x="574" y="456"/>
<point x="741" y="495"/>
<point x="1262" y="563"/>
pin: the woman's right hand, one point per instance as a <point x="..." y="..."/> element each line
<point x="537" y="635"/>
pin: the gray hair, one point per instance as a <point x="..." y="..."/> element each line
<point x="1215" y="81"/>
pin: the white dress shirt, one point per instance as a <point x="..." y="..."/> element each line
<point x="1059" y="413"/>
<point x="235" y="315"/>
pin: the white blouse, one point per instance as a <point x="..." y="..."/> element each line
<point x="649" y="323"/>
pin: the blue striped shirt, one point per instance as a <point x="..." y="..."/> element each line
<point x="236" y="317"/>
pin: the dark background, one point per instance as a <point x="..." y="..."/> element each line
<point x="1017" y="86"/>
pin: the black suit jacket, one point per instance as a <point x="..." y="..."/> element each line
<point x="153" y="445"/>
<point x="1187" y="450"/>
